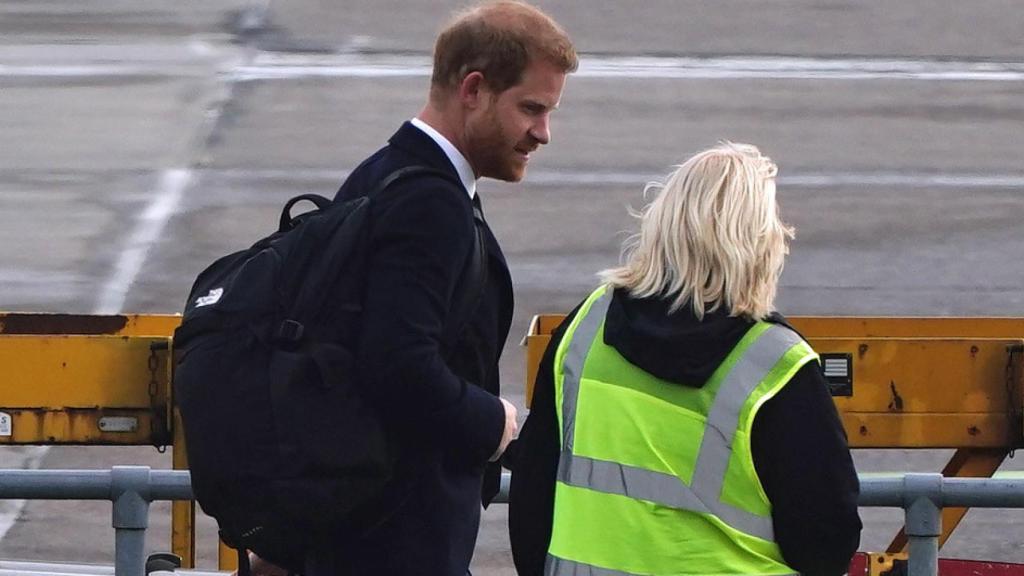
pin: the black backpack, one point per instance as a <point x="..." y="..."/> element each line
<point x="283" y="452"/>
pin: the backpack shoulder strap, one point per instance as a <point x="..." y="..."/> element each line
<point x="408" y="172"/>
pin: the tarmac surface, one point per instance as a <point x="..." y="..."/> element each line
<point x="139" y="141"/>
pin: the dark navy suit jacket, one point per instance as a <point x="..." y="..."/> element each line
<point x="442" y="409"/>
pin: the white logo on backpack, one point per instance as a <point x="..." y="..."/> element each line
<point x="212" y="298"/>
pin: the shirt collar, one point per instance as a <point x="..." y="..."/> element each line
<point x="454" y="156"/>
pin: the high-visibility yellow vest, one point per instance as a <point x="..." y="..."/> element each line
<point x="655" y="478"/>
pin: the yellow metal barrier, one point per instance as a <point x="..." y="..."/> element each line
<point x="75" y="389"/>
<point x="86" y="379"/>
<point x="910" y="383"/>
<point x="95" y="380"/>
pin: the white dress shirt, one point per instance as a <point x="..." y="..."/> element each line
<point x="462" y="166"/>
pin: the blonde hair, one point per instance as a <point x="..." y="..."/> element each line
<point x="499" y="39"/>
<point x="712" y="238"/>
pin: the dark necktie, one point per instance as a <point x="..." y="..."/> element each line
<point x="478" y="209"/>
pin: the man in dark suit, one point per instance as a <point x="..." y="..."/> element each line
<point x="499" y="70"/>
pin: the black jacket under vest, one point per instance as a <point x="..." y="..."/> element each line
<point x="798" y="442"/>
<point x="444" y="414"/>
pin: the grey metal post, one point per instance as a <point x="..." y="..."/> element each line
<point x="130" y="492"/>
<point x="923" y="505"/>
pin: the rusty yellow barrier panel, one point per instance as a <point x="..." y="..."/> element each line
<point x="908" y="383"/>
<point x="93" y="380"/>
<point x="72" y="379"/>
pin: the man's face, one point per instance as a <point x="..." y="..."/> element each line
<point x="507" y="127"/>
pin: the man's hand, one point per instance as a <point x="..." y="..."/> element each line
<point x="260" y="567"/>
<point x="510" y="429"/>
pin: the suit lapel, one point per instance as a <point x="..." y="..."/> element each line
<point x="493" y="248"/>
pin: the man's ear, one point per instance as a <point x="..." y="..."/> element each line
<point x="473" y="89"/>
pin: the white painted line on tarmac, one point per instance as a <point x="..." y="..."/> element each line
<point x="147" y="231"/>
<point x="901" y="180"/>
<point x="801" y="69"/>
<point x="23" y="458"/>
<point x="94" y="70"/>
<point x="151" y="223"/>
<point x="838" y="179"/>
<point x="798" y="180"/>
<point x="285" y="66"/>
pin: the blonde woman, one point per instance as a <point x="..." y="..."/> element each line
<point x="679" y="425"/>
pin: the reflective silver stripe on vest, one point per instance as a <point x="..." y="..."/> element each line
<point x="555" y="566"/>
<point x="704" y="495"/>
<point x="723" y="419"/>
<point x="572" y="366"/>
<point x="637" y="483"/>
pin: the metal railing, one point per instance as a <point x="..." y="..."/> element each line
<point x="923" y="496"/>
<point x="132" y="488"/>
